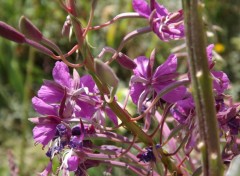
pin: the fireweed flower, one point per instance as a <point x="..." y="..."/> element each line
<point x="220" y="79"/>
<point x="183" y="110"/>
<point x="46" y="125"/>
<point x="229" y="123"/>
<point x="81" y="98"/>
<point x="146" y="83"/>
<point x="52" y="91"/>
<point x="166" y="25"/>
<point x="229" y="119"/>
<point x="93" y="107"/>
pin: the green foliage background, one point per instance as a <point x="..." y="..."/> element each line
<point x="22" y="68"/>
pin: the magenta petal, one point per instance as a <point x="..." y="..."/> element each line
<point x="161" y="10"/>
<point x="174" y="95"/>
<point x="45" y="120"/>
<point x="112" y="116"/>
<point x="141" y="7"/>
<point x="43" y="108"/>
<point x="87" y="81"/>
<point x="220" y="81"/>
<point x="168" y="67"/>
<point x="61" y="74"/>
<point x="44" y="133"/>
<point x="135" y="91"/>
<point x="51" y="92"/>
<point x="142" y="64"/>
<point x="85" y="110"/>
<point x="209" y="53"/>
<point x="182" y="109"/>
<point x="73" y="163"/>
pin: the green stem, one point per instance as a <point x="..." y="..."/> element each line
<point x="202" y="88"/>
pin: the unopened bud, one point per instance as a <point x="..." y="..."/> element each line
<point x="30" y="30"/>
<point x="105" y="73"/>
<point x="66" y="27"/>
<point x="126" y="62"/>
<point x="11" y="33"/>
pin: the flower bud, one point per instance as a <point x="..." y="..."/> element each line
<point x="105" y="73"/>
<point x="67" y="27"/>
<point x="30" y="31"/>
<point x="126" y="62"/>
<point x="11" y="33"/>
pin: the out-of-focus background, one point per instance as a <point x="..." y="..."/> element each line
<point x="22" y="69"/>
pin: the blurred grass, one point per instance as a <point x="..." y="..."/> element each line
<point x="223" y="19"/>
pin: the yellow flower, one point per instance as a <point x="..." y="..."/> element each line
<point x="219" y="48"/>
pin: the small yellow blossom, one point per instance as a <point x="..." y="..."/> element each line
<point x="219" y="48"/>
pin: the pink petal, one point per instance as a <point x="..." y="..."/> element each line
<point x="44" y="133"/>
<point x="141" y="7"/>
<point x="168" y="67"/>
<point x="73" y="163"/>
<point x="142" y="64"/>
<point x="161" y="10"/>
<point x="51" y="92"/>
<point x="43" y="108"/>
<point x="61" y="74"/>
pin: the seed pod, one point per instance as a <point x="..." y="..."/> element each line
<point x="67" y="27"/>
<point x="30" y="30"/>
<point x="11" y="33"/>
<point x="125" y="61"/>
<point x="105" y="73"/>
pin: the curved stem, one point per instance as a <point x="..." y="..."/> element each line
<point x="75" y="48"/>
<point x="160" y="124"/>
<point x="57" y="50"/>
<point x="129" y="37"/>
<point x="179" y="147"/>
<point x="116" y="18"/>
<point x="90" y="19"/>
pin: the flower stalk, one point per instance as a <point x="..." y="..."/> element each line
<point x="202" y="88"/>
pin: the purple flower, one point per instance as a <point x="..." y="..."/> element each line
<point x="93" y="107"/>
<point x="146" y="83"/>
<point x="220" y="79"/>
<point x="53" y="91"/>
<point x="45" y="129"/>
<point x="166" y="25"/>
<point x="81" y="96"/>
<point x="47" y="126"/>
<point x="183" y="110"/>
<point x="73" y="163"/>
<point x="229" y="119"/>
